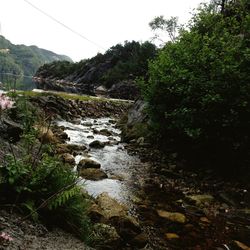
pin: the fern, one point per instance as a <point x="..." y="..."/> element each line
<point x="61" y="198"/>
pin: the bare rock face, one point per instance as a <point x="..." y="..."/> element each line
<point x="137" y="113"/>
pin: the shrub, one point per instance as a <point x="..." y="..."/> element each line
<point x="198" y="92"/>
<point x="37" y="182"/>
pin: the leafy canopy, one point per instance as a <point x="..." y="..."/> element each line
<point x="198" y="91"/>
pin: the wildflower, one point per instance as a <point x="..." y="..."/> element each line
<point x="5" y="102"/>
<point x="5" y="237"/>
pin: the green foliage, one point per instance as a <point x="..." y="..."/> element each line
<point x="166" y="25"/>
<point x="120" y="62"/>
<point x="199" y="86"/>
<point x="22" y="60"/>
<point x="39" y="183"/>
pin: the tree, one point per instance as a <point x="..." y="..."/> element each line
<point x="169" y="26"/>
<point x="198" y="91"/>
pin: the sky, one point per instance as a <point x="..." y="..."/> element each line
<point x="104" y="22"/>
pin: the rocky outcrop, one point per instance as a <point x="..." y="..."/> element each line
<point x="137" y="113"/>
<point x="124" y="90"/>
<point x="74" y="109"/>
<point x="116" y="71"/>
<point x="136" y="125"/>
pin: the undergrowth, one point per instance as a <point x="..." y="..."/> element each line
<point x="37" y="182"/>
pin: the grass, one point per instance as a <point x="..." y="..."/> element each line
<point x="70" y="96"/>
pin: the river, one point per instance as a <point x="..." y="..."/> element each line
<point x="123" y="170"/>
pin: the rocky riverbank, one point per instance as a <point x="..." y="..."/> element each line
<point x="181" y="207"/>
<point x="143" y="199"/>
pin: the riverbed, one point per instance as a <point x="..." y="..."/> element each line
<point x="122" y="169"/>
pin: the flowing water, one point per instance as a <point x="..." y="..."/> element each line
<point x="122" y="169"/>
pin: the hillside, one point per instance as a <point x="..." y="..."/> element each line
<point x="23" y="60"/>
<point x="112" y="73"/>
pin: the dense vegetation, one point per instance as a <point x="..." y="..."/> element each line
<point x="22" y="60"/>
<point x="120" y="62"/>
<point x="33" y="179"/>
<point x="198" y="91"/>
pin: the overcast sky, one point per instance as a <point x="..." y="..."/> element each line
<point x="105" y="22"/>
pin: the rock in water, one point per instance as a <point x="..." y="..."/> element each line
<point x="88" y="163"/>
<point x="68" y="158"/>
<point x="92" y="174"/>
<point x="175" y="217"/>
<point x="97" y="144"/>
<point x="110" y="207"/>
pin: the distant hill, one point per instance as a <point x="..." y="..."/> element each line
<point x="113" y="72"/>
<point x="23" y="60"/>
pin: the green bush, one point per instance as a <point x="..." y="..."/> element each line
<point x="36" y="181"/>
<point x="198" y="91"/>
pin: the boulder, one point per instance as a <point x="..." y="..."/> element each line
<point x="110" y="207"/>
<point x="105" y="132"/>
<point x="62" y="148"/>
<point x="60" y="134"/>
<point x="90" y="137"/>
<point x="76" y="147"/>
<point x="68" y="158"/>
<point x="95" y="213"/>
<point x="88" y="163"/>
<point x="92" y="174"/>
<point x="10" y="130"/>
<point x="97" y="144"/>
<point x="127" y="226"/>
<point x="172" y="216"/>
<point x="105" y="236"/>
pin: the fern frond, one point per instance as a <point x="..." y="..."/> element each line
<point x="61" y="198"/>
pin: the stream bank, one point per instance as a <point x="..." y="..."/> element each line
<point x="174" y="208"/>
<point x="143" y="200"/>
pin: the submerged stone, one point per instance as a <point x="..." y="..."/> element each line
<point x="172" y="216"/>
